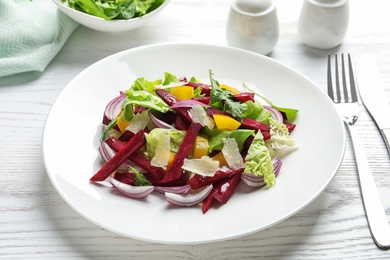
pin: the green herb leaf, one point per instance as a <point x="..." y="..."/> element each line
<point x="108" y="128"/>
<point x="140" y="179"/>
<point x="222" y="99"/>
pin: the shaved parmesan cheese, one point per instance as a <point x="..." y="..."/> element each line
<point x="204" y="166"/>
<point x="163" y="149"/>
<point x="232" y="154"/>
<point x="139" y="122"/>
<point x="199" y="115"/>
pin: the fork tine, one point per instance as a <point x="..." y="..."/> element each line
<point x="330" y="86"/>
<point x="352" y="80"/>
<point x="346" y="94"/>
<point x="345" y="87"/>
<point x="337" y="79"/>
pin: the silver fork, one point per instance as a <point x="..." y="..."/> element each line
<point x="346" y="102"/>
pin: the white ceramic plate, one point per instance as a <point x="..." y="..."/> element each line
<point x="73" y="128"/>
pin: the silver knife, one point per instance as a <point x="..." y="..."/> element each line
<point x="374" y="97"/>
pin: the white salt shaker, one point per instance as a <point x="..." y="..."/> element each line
<point x="323" y="23"/>
<point x="253" y="25"/>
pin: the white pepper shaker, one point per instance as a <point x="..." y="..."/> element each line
<point x="253" y="25"/>
<point x="323" y="23"/>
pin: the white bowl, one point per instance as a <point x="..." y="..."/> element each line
<point x="103" y="25"/>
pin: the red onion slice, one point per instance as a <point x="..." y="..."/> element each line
<point x="135" y="192"/>
<point x="107" y="153"/>
<point x="113" y="108"/>
<point x="274" y="113"/>
<point x="277" y="163"/>
<point x="177" y="189"/>
<point x="258" y="181"/>
<point x="189" y="103"/>
<point x="253" y="181"/>
<point x="159" y="122"/>
<point x="187" y="200"/>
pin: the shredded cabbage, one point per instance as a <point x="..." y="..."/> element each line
<point x="280" y="137"/>
<point x="258" y="161"/>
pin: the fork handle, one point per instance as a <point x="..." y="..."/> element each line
<point x="376" y="216"/>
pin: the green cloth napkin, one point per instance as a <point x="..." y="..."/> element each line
<point x="31" y="34"/>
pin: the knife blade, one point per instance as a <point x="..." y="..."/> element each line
<point x="374" y="96"/>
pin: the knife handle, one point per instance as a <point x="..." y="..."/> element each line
<point x="386" y="137"/>
<point x="376" y="215"/>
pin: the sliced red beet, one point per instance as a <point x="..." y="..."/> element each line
<point x="198" y="181"/>
<point x="254" y="125"/>
<point x="126" y="136"/>
<point x="120" y="157"/>
<point x="266" y="135"/>
<point x="182" y="123"/>
<point x="175" y="171"/>
<point x="211" y="111"/>
<point x="115" y="144"/>
<point x="206" y="88"/>
<point x="204" y="100"/>
<point x="225" y="188"/>
<point x="178" y="182"/>
<point x="167" y="97"/>
<point x="152" y="173"/>
<point x="244" y="97"/>
<point x="169" y="117"/>
<point x="171" y="100"/>
<point x="290" y="126"/>
<point x="125" y="177"/>
<point x="222" y="191"/>
<point x="139" y="109"/>
<point x="206" y="204"/>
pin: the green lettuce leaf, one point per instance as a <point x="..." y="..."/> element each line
<point x="216" y="137"/>
<point x="169" y="78"/>
<point x="142" y="84"/>
<point x="256" y="111"/>
<point x="176" y="138"/>
<point x="145" y="99"/>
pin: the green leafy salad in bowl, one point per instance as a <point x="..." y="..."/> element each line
<point x="112" y="16"/>
<point x="115" y="9"/>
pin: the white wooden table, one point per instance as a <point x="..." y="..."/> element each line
<point x="35" y="222"/>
